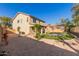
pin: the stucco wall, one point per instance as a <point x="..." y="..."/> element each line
<point x="23" y="23"/>
<point x="53" y="29"/>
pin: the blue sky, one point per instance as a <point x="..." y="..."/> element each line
<point x="49" y="12"/>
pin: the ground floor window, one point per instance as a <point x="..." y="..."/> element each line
<point x="23" y="32"/>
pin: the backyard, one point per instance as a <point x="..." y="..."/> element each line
<point x="17" y="39"/>
<point x="25" y="46"/>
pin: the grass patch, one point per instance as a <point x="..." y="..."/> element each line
<point x="64" y="36"/>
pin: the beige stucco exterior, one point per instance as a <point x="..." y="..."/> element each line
<point x="24" y="21"/>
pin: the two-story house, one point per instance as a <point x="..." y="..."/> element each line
<point x="23" y="22"/>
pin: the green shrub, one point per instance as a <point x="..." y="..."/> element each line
<point x="38" y="36"/>
<point x="68" y="35"/>
<point x="65" y="36"/>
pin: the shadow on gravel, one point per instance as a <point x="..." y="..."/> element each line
<point x="64" y="42"/>
<point x="25" y="46"/>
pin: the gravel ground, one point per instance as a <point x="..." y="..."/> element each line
<point x="25" y="46"/>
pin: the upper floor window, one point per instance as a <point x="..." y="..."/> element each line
<point x="27" y="19"/>
<point x="19" y="21"/>
<point x="34" y="20"/>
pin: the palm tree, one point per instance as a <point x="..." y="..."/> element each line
<point x="75" y="16"/>
<point x="68" y="25"/>
<point x="64" y="22"/>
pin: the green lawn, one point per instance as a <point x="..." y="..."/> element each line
<point x="61" y="36"/>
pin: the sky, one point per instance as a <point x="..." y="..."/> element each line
<point x="51" y="13"/>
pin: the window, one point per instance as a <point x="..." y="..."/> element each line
<point x="17" y="21"/>
<point x="34" y="20"/>
<point x="27" y="19"/>
<point x="23" y="32"/>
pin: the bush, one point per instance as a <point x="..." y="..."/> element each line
<point x="68" y="35"/>
<point x="38" y="36"/>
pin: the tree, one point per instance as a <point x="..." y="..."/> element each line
<point x="64" y="22"/>
<point x="68" y="24"/>
<point x="37" y="28"/>
<point x="6" y="21"/>
<point x="75" y="15"/>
